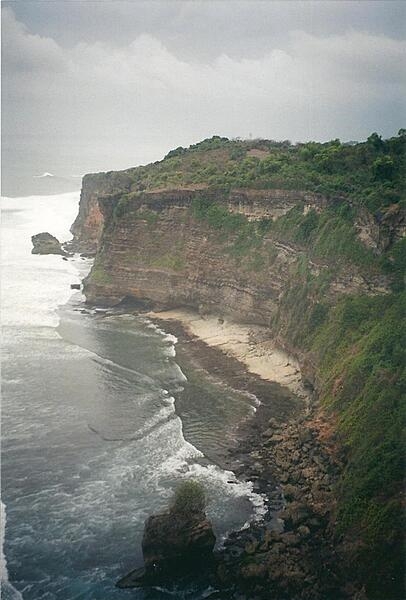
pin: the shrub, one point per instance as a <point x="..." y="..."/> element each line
<point x="121" y="207"/>
<point x="383" y="168"/>
<point x="189" y="497"/>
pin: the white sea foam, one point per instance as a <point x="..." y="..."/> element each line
<point x="8" y="591"/>
<point x="34" y="286"/>
<point x="37" y="285"/>
<point x="3" y="563"/>
<point x="231" y="486"/>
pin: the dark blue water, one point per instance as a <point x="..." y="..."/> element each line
<point x="92" y="442"/>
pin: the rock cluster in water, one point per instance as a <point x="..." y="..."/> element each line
<point x="45" y="243"/>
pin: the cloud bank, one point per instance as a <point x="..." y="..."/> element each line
<point x="101" y="105"/>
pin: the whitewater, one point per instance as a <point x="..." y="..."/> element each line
<point x="92" y="440"/>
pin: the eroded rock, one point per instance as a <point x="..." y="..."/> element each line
<point x="172" y="537"/>
<point x="45" y="243"/>
<point x="175" y="542"/>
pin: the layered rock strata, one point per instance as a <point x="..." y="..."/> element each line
<point x="153" y="250"/>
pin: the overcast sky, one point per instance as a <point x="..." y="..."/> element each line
<point x="100" y="85"/>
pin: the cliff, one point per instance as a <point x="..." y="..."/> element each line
<point x="307" y="241"/>
<point x="158" y="248"/>
<point x="88" y="225"/>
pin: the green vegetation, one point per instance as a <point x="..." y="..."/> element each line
<point x="357" y="342"/>
<point x="362" y="356"/>
<point x="121" y="207"/>
<point x="369" y="173"/>
<point x="327" y="235"/>
<point x="149" y="216"/>
<point x="358" y="176"/>
<point x="169" y="261"/>
<point x="99" y="275"/>
<point x="393" y="263"/>
<point x="189" y="498"/>
<point x="359" y="346"/>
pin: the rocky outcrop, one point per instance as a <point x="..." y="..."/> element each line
<point x="45" y="243"/>
<point x="292" y="556"/>
<point x="173" y="536"/>
<point x="88" y="225"/>
<point x="175" y="542"/>
<point x="154" y="248"/>
<point x="378" y="232"/>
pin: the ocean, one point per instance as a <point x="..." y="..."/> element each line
<point x="97" y="430"/>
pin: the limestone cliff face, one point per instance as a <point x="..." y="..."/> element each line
<point x="88" y="225"/>
<point x="153" y="249"/>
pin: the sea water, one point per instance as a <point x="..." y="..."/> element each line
<point x="92" y="441"/>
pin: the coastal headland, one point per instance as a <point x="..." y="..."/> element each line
<point x="284" y="268"/>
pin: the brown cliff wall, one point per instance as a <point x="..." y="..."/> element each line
<point x="88" y="225"/>
<point x="153" y="249"/>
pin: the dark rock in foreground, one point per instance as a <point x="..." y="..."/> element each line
<point x="45" y="243"/>
<point x="169" y="537"/>
<point x="176" y="542"/>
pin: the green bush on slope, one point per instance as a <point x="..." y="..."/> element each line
<point x="362" y="353"/>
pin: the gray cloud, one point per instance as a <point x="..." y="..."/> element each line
<point x="92" y="102"/>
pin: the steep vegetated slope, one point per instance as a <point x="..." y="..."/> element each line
<point x="308" y="240"/>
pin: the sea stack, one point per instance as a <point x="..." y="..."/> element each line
<point x="45" y="243"/>
<point x="175" y="542"/>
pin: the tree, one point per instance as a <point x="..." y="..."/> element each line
<point x="375" y="141"/>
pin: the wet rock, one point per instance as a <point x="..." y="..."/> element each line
<point x="290" y="539"/>
<point x="290" y="491"/>
<point x="176" y="542"/>
<point x="136" y="578"/>
<point x="251" y="547"/>
<point x="75" y="286"/>
<point x="45" y="243"/>
<point x="172" y="539"/>
<point x="303" y="531"/>
<point x="253" y="571"/>
<point x="296" y="513"/>
<point x="305" y="435"/>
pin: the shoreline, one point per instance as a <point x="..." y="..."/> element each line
<point x="249" y="344"/>
<point x="287" y="450"/>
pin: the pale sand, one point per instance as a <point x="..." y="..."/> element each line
<point x="250" y="344"/>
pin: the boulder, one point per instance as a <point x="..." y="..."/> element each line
<point x="173" y="537"/>
<point x="175" y="542"/>
<point x="296" y="513"/>
<point x="45" y="243"/>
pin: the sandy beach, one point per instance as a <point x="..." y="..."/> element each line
<point x="249" y="344"/>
